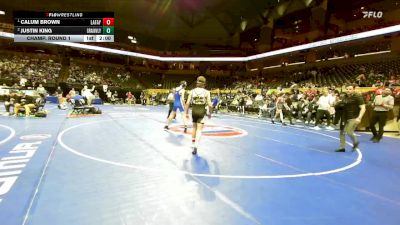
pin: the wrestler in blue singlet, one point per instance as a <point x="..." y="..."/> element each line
<point x="179" y="91"/>
<point x="177" y="101"/>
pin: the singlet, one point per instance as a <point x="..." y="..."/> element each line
<point x="177" y="97"/>
<point x="279" y="103"/>
<point x="199" y="96"/>
<point x="215" y="102"/>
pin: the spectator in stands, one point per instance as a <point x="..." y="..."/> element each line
<point x="324" y="104"/>
<point x="382" y="104"/>
<point x="76" y="100"/>
<point x="10" y="100"/>
<point x="294" y="85"/>
<point x="396" y="109"/>
<point x="310" y="110"/>
<point x="378" y="83"/>
<point x="279" y="105"/>
<point x="269" y="107"/>
<point x="41" y="90"/>
<point x="371" y="74"/>
<point x="87" y="94"/>
<point x="96" y="94"/>
<point x="287" y="107"/>
<point x="297" y="108"/>
<point x="59" y="94"/>
<point x="72" y="92"/>
<point x="242" y="102"/>
<point x="105" y="88"/>
<point x="130" y="98"/>
<point x="108" y="95"/>
<point x="215" y="103"/>
<point x="361" y="80"/>
<point x="143" y="98"/>
<point x="22" y="81"/>
<point x="394" y="81"/>
<point x="114" y="98"/>
<point x="27" y="102"/>
<point x="332" y="94"/>
<point x="259" y="100"/>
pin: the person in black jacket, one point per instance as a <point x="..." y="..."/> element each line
<point x="354" y="109"/>
<point x="339" y="109"/>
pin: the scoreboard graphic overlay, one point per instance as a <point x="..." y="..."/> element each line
<point x="63" y="26"/>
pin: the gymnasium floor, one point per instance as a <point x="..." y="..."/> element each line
<point x="121" y="167"/>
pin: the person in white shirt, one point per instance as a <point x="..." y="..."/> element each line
<point x="259" y="98"/>
<point x="41" y="90"/>
<point x="105" y="88"/>
<point x="259" y="101"/>
<point x="87" y="93"/>
<point x="109" y="94"/>
<point x="324" y="104"/>
<point x="332" y="101"/>
<point x="22" y="81"/>
<point x="382" y="104"/>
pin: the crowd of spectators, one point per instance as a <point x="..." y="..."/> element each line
<point x="28" y="70"/>
<point x="96" y="75"/>
<point x="373" y="74"/>
<point x="311" y="107"/>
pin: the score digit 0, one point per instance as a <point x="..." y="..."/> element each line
<point x="108" y="30"/>
<point x="108" y="21"/>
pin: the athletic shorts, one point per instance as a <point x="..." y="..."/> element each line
<point x="176" y="107"/>
<point x="198" y="113"/>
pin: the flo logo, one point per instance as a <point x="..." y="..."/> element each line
<point x="372" y="14"/>
<point x="218" y="131"/>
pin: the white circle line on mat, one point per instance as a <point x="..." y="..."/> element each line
<point x="149" y="169"/>
<point x="12" y="134"/>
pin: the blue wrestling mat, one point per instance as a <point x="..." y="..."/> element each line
<point x="121" y="167"/>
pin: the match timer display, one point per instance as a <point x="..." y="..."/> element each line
<point x="63" y="26"/>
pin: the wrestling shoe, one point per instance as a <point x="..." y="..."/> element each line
<point x="194" y="152"/>
<point x="340" y="150"/>
<point x="355" y="145"/>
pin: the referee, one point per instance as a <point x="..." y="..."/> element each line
<point x="382" y="104"/>
<point x="354" y="109"/>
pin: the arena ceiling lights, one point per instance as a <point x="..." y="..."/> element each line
<point x="352" y="37"/>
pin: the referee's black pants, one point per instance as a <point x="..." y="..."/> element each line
<point x="378" y="117"/>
